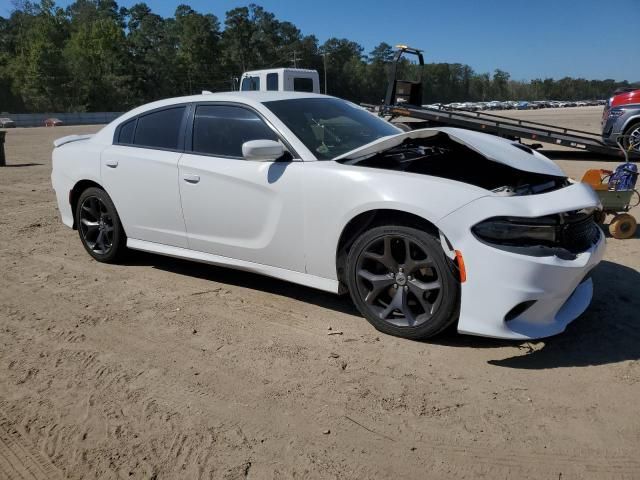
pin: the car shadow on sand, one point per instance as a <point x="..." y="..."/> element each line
<point x="17" y="165"/>
<point x="608" y="332"/>
<point x="243" y="279"/>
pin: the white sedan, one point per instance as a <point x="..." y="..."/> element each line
<point x="423" y="229"/>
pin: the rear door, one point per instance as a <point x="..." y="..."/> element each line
<point x="140" y="173"/>
<point x="236" y="208"/>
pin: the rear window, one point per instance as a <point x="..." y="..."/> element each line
<point x="126" y="132"/>
<point x="303" y="84"/>
<point x="160" y="129"/>
<point x="272" y="81"/>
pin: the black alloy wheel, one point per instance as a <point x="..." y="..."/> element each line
<point x="402" y="282"/>
<point x="99" y="225"/>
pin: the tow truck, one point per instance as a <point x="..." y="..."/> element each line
<point x="403" y="105"/>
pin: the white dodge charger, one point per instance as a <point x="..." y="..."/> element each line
<point x="423" y="229"/>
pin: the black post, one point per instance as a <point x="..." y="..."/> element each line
<point x="3" y="161"/>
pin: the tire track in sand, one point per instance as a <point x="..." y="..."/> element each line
<point x="19" y="460"/>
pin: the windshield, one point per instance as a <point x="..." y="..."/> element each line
<point x="330" y="127"/>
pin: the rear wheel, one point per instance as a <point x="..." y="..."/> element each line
<point x="99" y="226"/>
<point x="402" y="282"/>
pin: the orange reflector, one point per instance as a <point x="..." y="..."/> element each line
<point x="401" y="111"/>
<point x="461" y="267"/>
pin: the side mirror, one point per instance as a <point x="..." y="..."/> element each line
<point x="262" y="150"/>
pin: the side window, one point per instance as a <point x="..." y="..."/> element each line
<point x="302" y="84"/>
<point x="250" y="84"/>
<point x="160" y="129"/>
<point x="272" y="81"/>
<point x="126" y="132"/>
<point x="222" y="129"/>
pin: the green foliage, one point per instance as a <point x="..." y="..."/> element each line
<point x="97" y="56"/>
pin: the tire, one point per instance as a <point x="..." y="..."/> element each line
<point x="99" y="226"/>
<point x="623" y="226"/>
<point x="413" y="297"/>
<point x="632" y="138"/>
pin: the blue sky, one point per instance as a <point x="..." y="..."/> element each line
<point x="528" y="38"/>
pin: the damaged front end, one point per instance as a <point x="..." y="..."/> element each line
<point x="502" y="167"/>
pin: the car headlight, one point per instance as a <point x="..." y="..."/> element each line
<point x="513" y="230"/>
<point x="574" y="231"/>
<point x="616" y="113"/>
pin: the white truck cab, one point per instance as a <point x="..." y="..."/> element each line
<point x="281" y="79"/>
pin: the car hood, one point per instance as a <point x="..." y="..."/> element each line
<point x="493" y="148"/>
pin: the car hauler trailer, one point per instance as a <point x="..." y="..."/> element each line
<point x="403" y="104"/>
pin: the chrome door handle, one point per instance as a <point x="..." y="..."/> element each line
<point x="189" y="178"/>
<point x="111" y="163"/>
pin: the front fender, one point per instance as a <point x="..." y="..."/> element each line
<point x="336" y="193"/>
<point x="629" y="121"/>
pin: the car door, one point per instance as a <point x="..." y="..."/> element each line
<point x="237" y="208"/>
<point x="140" y="173"/>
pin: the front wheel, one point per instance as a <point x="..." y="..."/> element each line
<point x="99" y="226"/>
<point x="402" y="282"/>
<point x="631" y="140"/>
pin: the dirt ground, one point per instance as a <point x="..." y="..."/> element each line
<point x="161" y="368"/>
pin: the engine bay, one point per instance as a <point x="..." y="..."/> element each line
<point x="440" y="156"/>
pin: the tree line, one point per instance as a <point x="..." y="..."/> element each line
<point x="96" y="56"/>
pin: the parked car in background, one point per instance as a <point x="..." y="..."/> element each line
<point x="52" y="122"/>
<point x="469" y="106"/>
<point x="6" y="122"/>
<point x="621" y="116"/>
<point x="424" y="229"/>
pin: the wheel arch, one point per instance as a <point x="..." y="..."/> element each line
<point x="631" y="121"/>
<point x="74" y="195"/>
<point x="374" y="218"/>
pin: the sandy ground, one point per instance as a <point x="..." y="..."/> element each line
<point x="161" y="368"/>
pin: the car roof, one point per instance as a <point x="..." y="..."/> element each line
<point x="253" y="99"/>
<point x="242" y="97"/>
